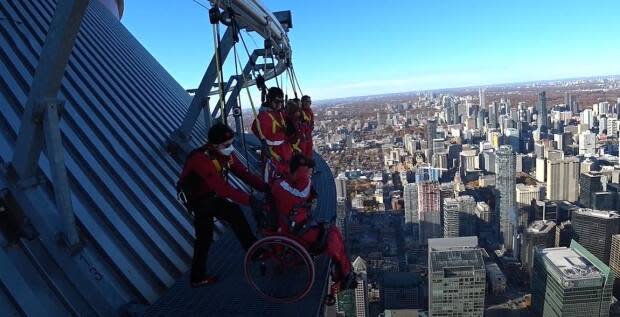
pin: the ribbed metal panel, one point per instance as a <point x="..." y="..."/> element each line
<point x="121" y="106"/>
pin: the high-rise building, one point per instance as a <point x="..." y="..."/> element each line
<point x="341" y="215"/>
<point x="540" y="233"/>
<point x="451" y="218"/>
<point x="563" y="179"/>
<point x="512" y="138"/>
<point x="541" y="169"/>
<point x="440" y="160"/>
<point x="563" y="234"/>
<point x="456" y="277"/>
<point x="469" y="161"/>
<point x="426" y="172"/>
<point x="493" y="113"/>
<point x="481" y="98"/>
<point x="570" y="282"/>
<point x="542" y="121"/>
<point x="593" y="230"/>
<point x="589" y="183"/>
<point x="506" y="187"/>
<point x="361" y="291"/>
<point x="587" y="143"/>
<point x="459" y="215"/>
<point x="482" y="114"/>
<point x="483" y="212"/>
<point x="568" y="100"/>
<point x="527" y="193"/>
<point x="614" y="257"/>
<point x="354" y="302"/>
<point x="431" y="132"/>
<point x="341" y="187"/>
<point x="429" y="211"/>
<point x="410" y="197"/>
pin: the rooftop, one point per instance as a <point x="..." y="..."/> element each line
<point x="571" y="264"/>
<point x="464" y="258"/>
<point x="439" y="244"/>
<point x="605" y="214"/>
<point x="541" y="226"/>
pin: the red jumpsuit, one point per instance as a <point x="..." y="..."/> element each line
<point x="295" y="198"/>
<point x="270" y="127"/>
<point x="209" y="195"/>
<point x="307" y="127"/>
<point x="210" y="166"/>
<point x="295" y="134"/>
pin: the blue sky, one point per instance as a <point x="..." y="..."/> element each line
<point x="351" y="48"/>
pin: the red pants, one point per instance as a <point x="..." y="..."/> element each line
<point x="335" y="249"/>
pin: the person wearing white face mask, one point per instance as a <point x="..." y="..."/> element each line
<point x="204" y="183"/>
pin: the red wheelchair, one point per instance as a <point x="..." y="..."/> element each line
<point x="277" y="266"/>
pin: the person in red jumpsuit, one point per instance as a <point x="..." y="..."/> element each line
<point x="307" y="126"/>
<point x="293" y="202"/>
<point x="294" y="125"/>
<point x="270" y="127"/>
<point x="204" y="183"/>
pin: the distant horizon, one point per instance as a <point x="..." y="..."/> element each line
<point x="470" y="87"/>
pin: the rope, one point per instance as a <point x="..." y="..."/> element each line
<point x="288" y="74"/>
<point x="243" y="141"/>
<point x="220" y="76"/>
<point x="247" y="52"/>
<point x="297" y="80"/>
<point x="273" y="59"/>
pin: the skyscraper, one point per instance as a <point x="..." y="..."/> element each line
<point x="589" y="183"/>
<point x="593" y="230"/>
<point x="506" y="188"/>
<point x="456" y="277"/>
<point x="481" y="98"/>
<point x="542" y="112"/>
<point x="562" y="179"/>
<point x="570" y="282"/>
<point x="540" y="233"/>
<point x="410" y="197"/>
<point x="431" y="132"/>
<point x="527" y="193"/>
<point x="614" y="256"/>
<point x="341" y="187"/>
<point x="451" y="219"/>
<point x="361" y="291"/>
<point x="587" y="143"/>
<point x="493" y="110"/>
<point x="429" y="211"/>
<point x="459" y="216"/>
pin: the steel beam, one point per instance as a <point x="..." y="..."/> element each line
<point x="40" y="121"/>
<point x="60" y="181"/>
<point x="46" y="82"/>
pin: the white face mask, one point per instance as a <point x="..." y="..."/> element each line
<point x="227" y="150"/>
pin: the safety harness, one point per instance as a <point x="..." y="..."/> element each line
<point x="300" y="228"/>
<point x="188" y="186"/>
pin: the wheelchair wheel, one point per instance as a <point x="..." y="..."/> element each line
<point x="280" y="269"/>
